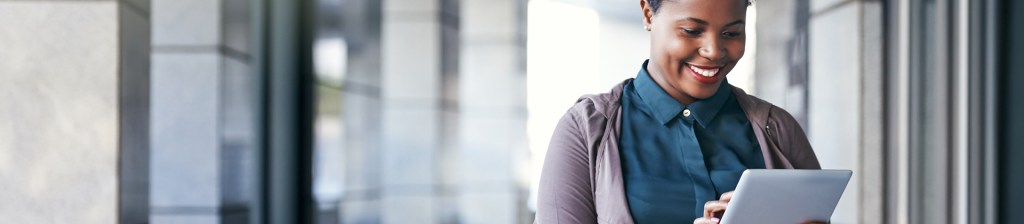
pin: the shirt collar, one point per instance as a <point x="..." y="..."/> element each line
<point x="665" y="108"/>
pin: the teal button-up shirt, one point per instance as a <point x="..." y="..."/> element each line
<point x="676" y="157"/>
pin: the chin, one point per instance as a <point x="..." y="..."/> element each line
<point x="701" y="91"/>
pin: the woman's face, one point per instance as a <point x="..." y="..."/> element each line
<point x="694" y="44"/>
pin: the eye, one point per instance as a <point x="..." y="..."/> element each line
<point x="693" y="32"/>
<point x="732" y="34"/>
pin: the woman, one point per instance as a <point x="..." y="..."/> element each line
<point x="661" y="148"/>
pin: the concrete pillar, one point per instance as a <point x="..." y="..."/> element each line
<point x="492" y="147"/>
<point x="844" y="115"/>
<point x="203" y="105"/>
<point x="781" y="65"/>
<point x="834" y="96"/>
<point x="73" y="83"/>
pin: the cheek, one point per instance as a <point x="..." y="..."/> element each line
<point x="736" y="50"/>
<point x="677" y="48"/>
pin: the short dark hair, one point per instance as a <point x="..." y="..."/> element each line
<point x="655" y="4"/>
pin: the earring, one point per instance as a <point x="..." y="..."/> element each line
<point x="648" y="28"/>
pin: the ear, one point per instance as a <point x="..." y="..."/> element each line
<point x="648" y="12"/>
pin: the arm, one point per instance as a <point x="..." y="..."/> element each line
<point x="565" y="193"/>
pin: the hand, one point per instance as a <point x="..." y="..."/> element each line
<point x="714" y="210"/>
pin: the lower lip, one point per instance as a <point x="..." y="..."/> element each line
<point x="704" y="79"/>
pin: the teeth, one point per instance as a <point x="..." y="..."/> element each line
<point x="704" y="72"/>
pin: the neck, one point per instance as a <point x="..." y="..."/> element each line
<point x="676" y="94"/>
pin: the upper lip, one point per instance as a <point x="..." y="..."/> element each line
<point x="705" y="66"/>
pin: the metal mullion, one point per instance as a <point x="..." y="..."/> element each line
<point x="961" y="189"/>
<point x="991" y="89"/>
<point x="902" y="13"/>
<point x="287" y="112"/>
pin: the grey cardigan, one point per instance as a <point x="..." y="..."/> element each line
<point x="581" y="181"/>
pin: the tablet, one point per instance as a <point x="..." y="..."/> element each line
<point x="786" y="196"/>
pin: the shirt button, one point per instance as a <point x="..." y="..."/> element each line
<point x="686" y="112"/>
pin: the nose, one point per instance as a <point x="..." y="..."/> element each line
<point x="712" y="49"/>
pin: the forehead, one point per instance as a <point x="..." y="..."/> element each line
<point x="712" y="11"/>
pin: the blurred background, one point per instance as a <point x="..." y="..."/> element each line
<point x="440" y="111"/>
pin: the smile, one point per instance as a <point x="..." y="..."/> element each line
<point x="704" y="70"/>
<point x="705" y="74"/>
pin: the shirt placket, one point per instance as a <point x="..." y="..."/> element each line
<point x="693" y="158"/>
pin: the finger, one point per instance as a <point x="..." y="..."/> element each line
<point x="714" y="206"/>
<point x="705" y="220"/>
<point x="726" y="197"/>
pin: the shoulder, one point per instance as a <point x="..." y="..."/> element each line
<point x="599" y="106"/>
<point x="782" y="132"/>
<point x="760" y="111"/>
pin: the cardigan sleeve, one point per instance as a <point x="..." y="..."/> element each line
<point x="565" y="194"/>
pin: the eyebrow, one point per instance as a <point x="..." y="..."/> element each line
<point x="702" y="22"/>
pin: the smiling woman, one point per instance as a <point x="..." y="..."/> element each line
<point x="663" y="146"/>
